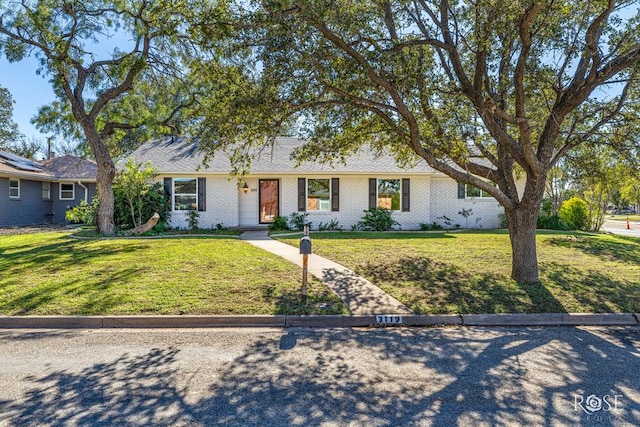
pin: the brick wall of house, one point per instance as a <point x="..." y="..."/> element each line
<point x="354" y="200"/>
<point x="445" y="202"/>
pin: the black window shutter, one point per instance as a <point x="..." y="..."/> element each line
<point x="405" y="195"/>
<point x="202" y="194"/>
<point x="335" y="194"/>
<point x="302" y="194"/>
<point x="168" y="187"/>
<point x="461" y="192"/>
<point x="373" y="193"/>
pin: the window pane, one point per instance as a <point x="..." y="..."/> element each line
<point x="318" y="195"/>
<point x="14" y="188"/>
<point x="185" y="203"/>
<point x="46" y="190"/>
<point x="473" y="191"/>
<point x="66" y="191"/>
<point x="389" y="194"/>
<point x="185" y="185"/>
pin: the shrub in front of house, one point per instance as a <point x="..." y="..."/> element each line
<point x="377" y="220"/>
<point x="84" y="213"/>
<point x="279" y="224"/>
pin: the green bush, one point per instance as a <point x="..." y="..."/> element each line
<point x="552" y="222"/>
<point x="84" y="213"/>
<point x="136" y="199"/>
<point x="298" y="220"/>
<point x="377" y="220"/>
<point x="331" y="225"/>
<point x="193" y="220"/>
<point x="575" y="214"/>
<point x="434" y="226"/>
<point x="279" y="224"/>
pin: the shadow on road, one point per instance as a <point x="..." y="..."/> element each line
<point x="395" y="377"/>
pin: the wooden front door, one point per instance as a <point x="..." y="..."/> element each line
<point x="269" y="200"/>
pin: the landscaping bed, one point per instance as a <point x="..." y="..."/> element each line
<point x="468" y="272"/>
<point x="55" y="274"/>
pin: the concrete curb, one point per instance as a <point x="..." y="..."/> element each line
<point x="317" y="321"/>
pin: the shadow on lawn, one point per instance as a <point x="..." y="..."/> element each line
<point x="430" y="377"/>
<point x="616" y="248"/>
<point x="63" y="255"/>
<point x="598" y="292"/>
<point x="430" y="286"/>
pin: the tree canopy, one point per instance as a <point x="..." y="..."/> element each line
<point x="8" y="128"/>
<point x="484" y="91"/>
<point x="107" y="61"/>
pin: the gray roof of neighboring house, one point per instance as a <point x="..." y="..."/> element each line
<point x="70" y="167"/>
<point x="66" y="167"/>
<point x="179" y="155"/>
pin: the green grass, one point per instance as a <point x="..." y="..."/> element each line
<point x="468" y="272"/>
<point x="54" y="274"/>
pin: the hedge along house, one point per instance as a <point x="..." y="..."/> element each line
<point x="41" y="192"/>
<point x="275" y="187"/>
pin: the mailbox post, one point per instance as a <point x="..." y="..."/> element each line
<point x="305" y="250"/>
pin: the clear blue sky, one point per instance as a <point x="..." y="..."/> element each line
<point x="29" y="92"/>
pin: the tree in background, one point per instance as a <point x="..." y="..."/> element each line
<point x="100" y="100"/>
<point x="8" y="128"/>
<point x="481" y="91"/>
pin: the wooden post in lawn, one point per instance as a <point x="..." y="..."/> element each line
<point x="305" y="250"/>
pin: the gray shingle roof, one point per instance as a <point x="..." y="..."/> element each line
<point x="70" y="167"/>
<point x="66" y="167"/>
<point x="178" y="155"/>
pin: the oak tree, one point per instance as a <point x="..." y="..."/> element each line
<point x="96" y="54"/>
<point x="492" y="93"/>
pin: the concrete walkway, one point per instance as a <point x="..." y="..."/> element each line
<point x="361" y="296"/>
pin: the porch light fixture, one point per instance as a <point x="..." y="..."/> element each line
<point x="245" y="188"/>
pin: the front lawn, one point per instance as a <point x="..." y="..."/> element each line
<point x="468" y="272"/>
<point x="54" y="274"/>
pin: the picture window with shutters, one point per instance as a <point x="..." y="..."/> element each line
<point x="188" y="194"/>
<point x="318" y="195"/>
<point x="389" y="193"/>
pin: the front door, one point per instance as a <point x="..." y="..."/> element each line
<point x="269" y="200"/>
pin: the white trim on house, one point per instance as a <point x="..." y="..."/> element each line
<point x="16" y="194"/>
<point x="430" y="196"/>
<point x="73" y="190"/>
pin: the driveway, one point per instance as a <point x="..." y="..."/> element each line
<point x="620" y="227"/>
<point x="559" y="376"/>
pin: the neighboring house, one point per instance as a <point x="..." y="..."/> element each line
<point x="276" y="187"/>
<point x="41" y="192"/>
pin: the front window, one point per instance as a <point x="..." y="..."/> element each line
<point x="318" y="195"/>
<point x="67" y="191"/>
<point x="185" y="192"/>
<point x="14" y="188"/>
<point x="389" y="194"/>
<point x="46" y="190"/>
<point x="472" y="191"/>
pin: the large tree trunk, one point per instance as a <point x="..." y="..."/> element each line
<point x="104" y="178"/>
<point x="522" y="222"/>
<point x="524" y="258"/>
<point x="104" y="187"/>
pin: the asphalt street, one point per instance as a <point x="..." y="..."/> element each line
<point x="451" y="376"/>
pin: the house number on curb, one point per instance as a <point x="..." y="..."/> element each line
<point x="389" y="319"/>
